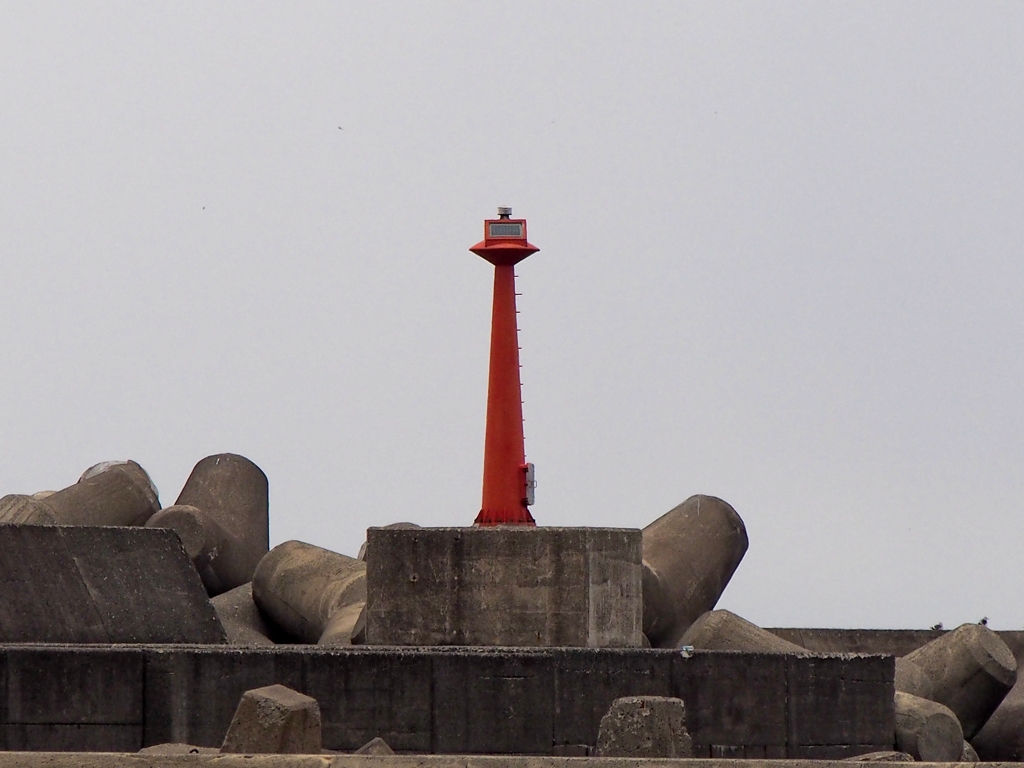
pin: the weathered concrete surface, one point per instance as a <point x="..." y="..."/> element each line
<point x="83" y="584"/>
<point x="927" y="730"/>
<point x="274" y="720"/>
<point x="970" y="670"/>
<point x="644" y="726"/>
<point x="112" y="493"/>
<point x="689" y="555"/>
<point x="240" y="617"/>
<point x="505" y="586"/>
<point x="722" y="630"/>
<point x="305" y="591"/>
<point x="223" y="512"/>
<point x="445" y="700"/>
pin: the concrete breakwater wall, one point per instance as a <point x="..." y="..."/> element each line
<point x="445" y="701"/>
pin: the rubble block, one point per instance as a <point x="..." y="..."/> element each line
<point x="970" y="670"/>
<point x="927" y="730"/>
<point x="689" y="555"/>
<point x="112" y="493"/>
<point x="223" y="512"/>
<point x="309" y="592"/>
<point x="274" y="720"/>
<point x="725" y="631"/>
<point x="240" y="617"/>
<point x="504" y="586"/>
<point x="645" y="726"/>
<point x="83" y="584"/>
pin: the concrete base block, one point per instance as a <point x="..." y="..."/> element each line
<point x="504" y="586"/>
<point x="274" y="720"/>
<point x="645" y="726"/>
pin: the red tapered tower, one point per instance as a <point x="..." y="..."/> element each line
<point x="508" y="479"/>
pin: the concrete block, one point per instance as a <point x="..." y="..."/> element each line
<point x="505" y="586"/>
<point x="927" y="730"/>
<point x="645" y="726"/>
<point x="274" y="720"/>
<point x="840" y="700"/>
<point x="191" y="694"/>
<point x="725" y="631"/>
<point x="112" y="493"/>
<point x="733" y="698"/>
<point x="375" y="746"/>
<point x="78" y="584"/>
<point x="300" y="588"/>
<point x="689" y="555"/>
<point x="970" y="670"/>
<point x="498" y="701"/>
<point x="587" y="681"/>
<point x="241" y="619"/>
<point x="222" y="513"/>
<point x="372" y="692"/>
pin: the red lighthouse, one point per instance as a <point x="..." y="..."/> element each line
<point x="508" y="479"/>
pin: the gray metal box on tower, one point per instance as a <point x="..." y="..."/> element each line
<point x="505" y="586"/>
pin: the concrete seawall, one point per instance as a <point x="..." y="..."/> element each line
<point x="445" y="701"/>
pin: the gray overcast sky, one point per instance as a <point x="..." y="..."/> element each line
<point x="780" y="263"/>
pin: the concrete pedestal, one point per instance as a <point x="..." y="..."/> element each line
<point x="505" y="585"/>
